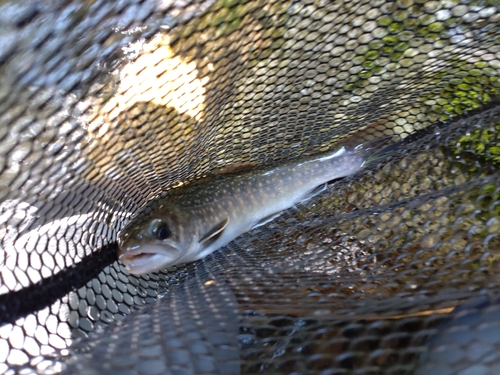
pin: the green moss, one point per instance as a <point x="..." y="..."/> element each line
<point x="467" y="87"/>
<point x="390" y="40"/>
<point x="434" y="37"/>
<point x="401" y="46"/>
<point x="227" y="16"/>
<point x="386" y="50"/>
<point x="365" y="74"/>
<point x="350" y="87"/>
<point x="422" y="31"/>
<point x="396" y="56"/>
<point x="372" y="55"/>
<point x="368" y="65"/>
<point x="395" y="27"/>
<point x="384" y="20"/>
<point x="484" y="144"/>
<point x="436" y="27"/>
<point x="410" y="23"/>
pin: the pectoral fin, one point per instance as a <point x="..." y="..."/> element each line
<point x="315" y="191"/>
<point x="214" y="233"/>
<point x="266" y="220"/>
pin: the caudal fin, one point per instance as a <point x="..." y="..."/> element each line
<point x="375" y="149"/>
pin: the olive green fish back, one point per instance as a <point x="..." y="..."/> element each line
<point x="105" y="105"/>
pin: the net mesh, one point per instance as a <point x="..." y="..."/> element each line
<point x="106" y="104"/>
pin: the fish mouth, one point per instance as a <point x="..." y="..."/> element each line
<point x="146" y="259"/>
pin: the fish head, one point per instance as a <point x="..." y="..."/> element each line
<point x="154" y="239"/>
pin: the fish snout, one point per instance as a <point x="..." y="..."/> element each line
<point x="144" y="259"/>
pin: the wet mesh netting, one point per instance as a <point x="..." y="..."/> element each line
<point x="104" y="105"/>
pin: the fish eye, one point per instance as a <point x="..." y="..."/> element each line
<point x="160" y="229"/>
<point x="163" y="232"/>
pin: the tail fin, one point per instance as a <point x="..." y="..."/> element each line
<point x="383" y="153"/>
<point x="376" y="145"/>
<point x="370" y="139"/>
<point x="374" y="149"/>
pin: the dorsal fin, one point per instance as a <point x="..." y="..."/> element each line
<point x="214" y="233"/>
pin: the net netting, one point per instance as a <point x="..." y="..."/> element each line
<point x="106" y="104"/>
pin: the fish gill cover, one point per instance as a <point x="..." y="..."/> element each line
<point x="104" y="105"/>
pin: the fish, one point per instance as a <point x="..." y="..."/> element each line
<point x="194" y="220"/>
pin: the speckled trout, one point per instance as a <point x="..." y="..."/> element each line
<point x="193" y="221"/>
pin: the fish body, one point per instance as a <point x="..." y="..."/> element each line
<point x="193" y="221"/>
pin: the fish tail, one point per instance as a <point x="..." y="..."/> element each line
<point x="378" y="149"/>
<point x="375" y="145"/>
